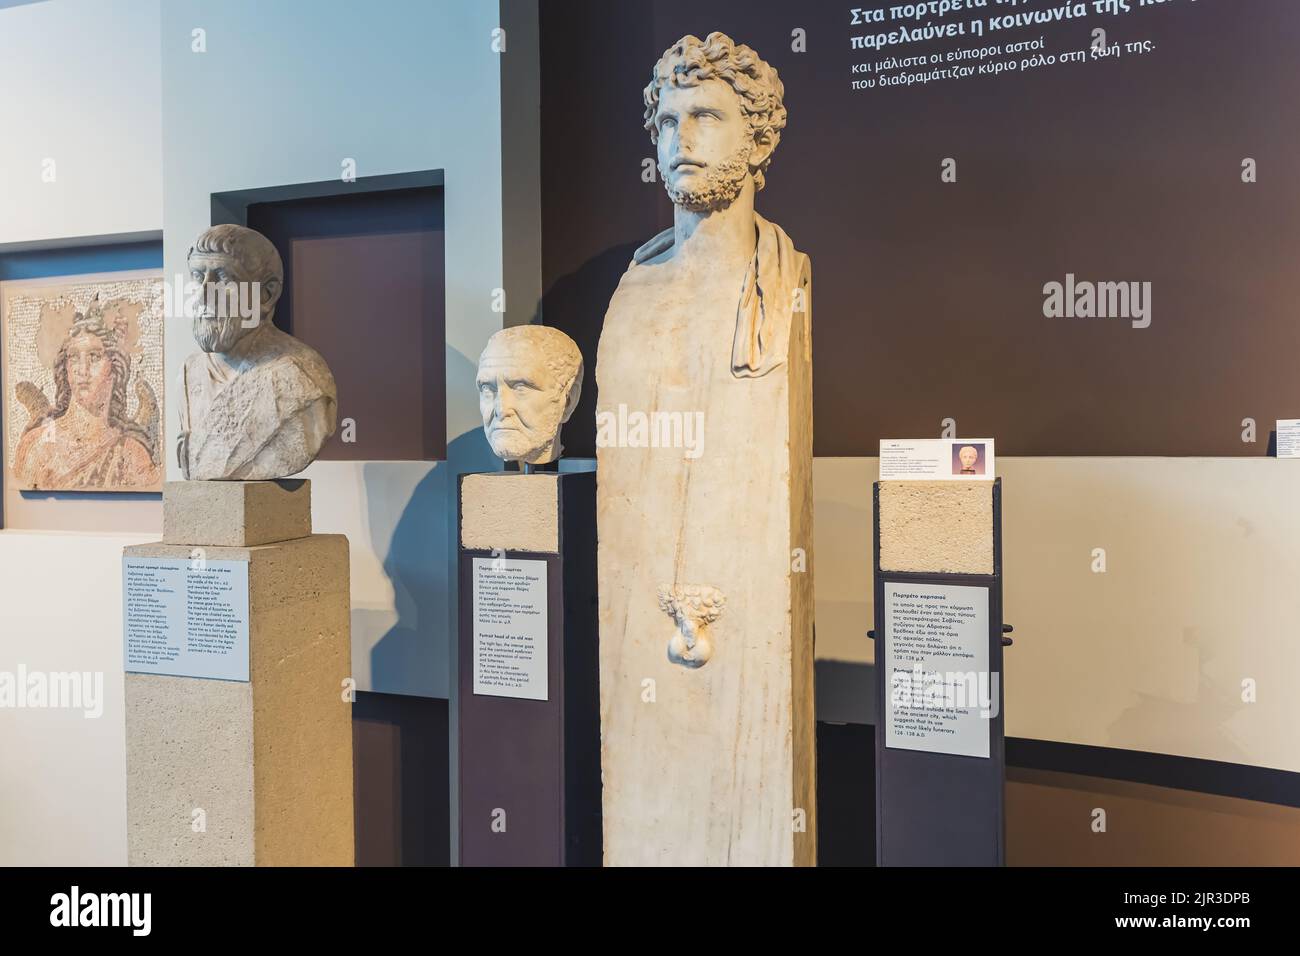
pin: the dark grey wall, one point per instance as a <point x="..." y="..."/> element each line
<point x="928" y="297"/>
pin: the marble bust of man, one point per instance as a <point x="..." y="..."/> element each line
<point x="711" y="319"/>
<point x="529" y="381"/>
<point x="256" y="403"/>
<point x="715" y="112"/>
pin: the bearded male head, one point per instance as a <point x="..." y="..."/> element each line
<point x="714" y="110"/>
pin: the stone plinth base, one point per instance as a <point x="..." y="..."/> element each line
<point x="236" y="514"/>
<point x="936" y="526"/>
<point x="940" y="773"/>
<point x="510" y="510"/>
<point x="530" y="769"/>
<point x="259" y="772"/>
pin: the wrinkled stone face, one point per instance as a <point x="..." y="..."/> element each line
<point x="705" y="144"/>
<point x="219" y="319"/>
<point x="521" y="401"/>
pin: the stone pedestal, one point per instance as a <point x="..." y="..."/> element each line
<point x="530" y="766"/>
<point x="940" y="759"/>
<point x="236" y="514"/>
<point x="936" y="527"/>
<point x="256" y="772"/>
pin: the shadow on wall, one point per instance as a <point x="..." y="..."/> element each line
<point x="1208" y="720"/>
<point x="576" y="305"/>
<point x="845" y="692"/>
<point x="842" y="560"/>
<point x="400" y="768"/>
<point x="420" y="561"/>
<point x="1149" y="654"/>
<point x="1051" y="819"/>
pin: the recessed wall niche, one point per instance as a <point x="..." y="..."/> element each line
<point x="364" y="286"/>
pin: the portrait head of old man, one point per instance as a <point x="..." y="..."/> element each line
<point x="257" y="404"/>
<point x="239" y="275"/>
<point x="529" y="382"/>
<point x="715" y="112"/>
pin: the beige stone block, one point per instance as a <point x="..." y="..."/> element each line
<point x="236" y="514"/>
<point x="510" y="510"/>
<point x="268" y="761"/>
<point x="189" y="750"/>
<point x="941" y="527"/>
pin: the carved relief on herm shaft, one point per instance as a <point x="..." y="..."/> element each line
<point x="693" y="608"/>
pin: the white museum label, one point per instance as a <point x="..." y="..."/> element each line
<point x="1288" y="438"/>
<point x="941" y="697"/>
<point x="186" y="618"/>
<point x="937" y="459"/>
<point x="510" y="651"/>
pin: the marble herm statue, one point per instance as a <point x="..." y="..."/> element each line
<point x="529" y="382"/>
<point x="256" y="403"/>
<point x="705" y="567"/>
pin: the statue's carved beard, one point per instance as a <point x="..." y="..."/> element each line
<point x="531" y="443"/>
<point x="721" y="185"/>
<point x="217" y="333"/>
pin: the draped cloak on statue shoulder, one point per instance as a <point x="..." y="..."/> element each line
<point x="766" y="302"/>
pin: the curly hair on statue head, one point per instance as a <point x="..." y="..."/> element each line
<point x="559" y="352"/>
<point x="255" y="254"/>
<point x="690" y="61"/>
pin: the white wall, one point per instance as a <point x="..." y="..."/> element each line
<point x="283" y="94"/>
<point x="1199" y="594"/>
<point x="63" y="775"/>
<point x="79" y="84"/>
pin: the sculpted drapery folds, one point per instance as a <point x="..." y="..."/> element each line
<point x="705" y="166"/>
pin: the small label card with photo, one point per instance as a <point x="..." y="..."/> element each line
<point x="186" y="618"/>
<point x="937" y="459"/>
<point x="510" y="646"/>
<point x="1288" y="438"/>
